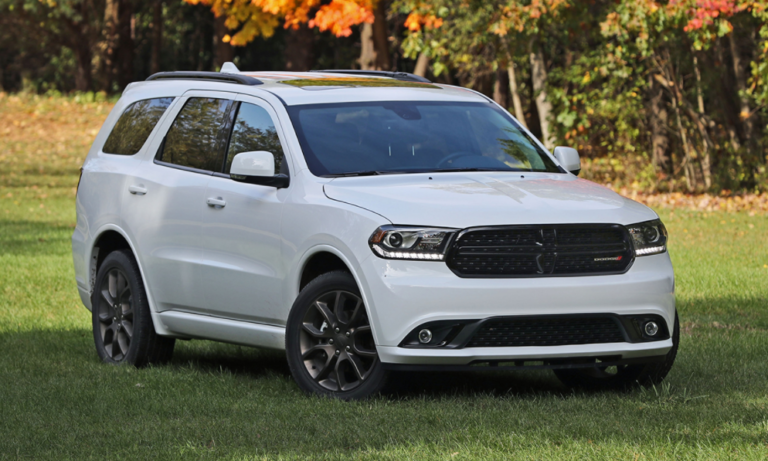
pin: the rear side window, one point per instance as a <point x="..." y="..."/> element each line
<point x="254" y="130"/>
<point x="193" y="139"/>
<point x="134" y="126"/>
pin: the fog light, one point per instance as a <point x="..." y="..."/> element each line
<point x="425" y="336"/>
<point x="651" y="328"/>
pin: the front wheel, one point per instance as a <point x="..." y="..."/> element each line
<point x="329" y="343"/>
<point x="624" y="376"/>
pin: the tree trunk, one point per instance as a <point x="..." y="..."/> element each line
<point x="299" y="53"/>
<point x="699" y="94"/>
<point x="367" y="50"/>
<point x="519" y="114"/>
<point x="658" y="120"/>
<point x="83" y="57"/>
<point x="706" y="161"/>
<point x="111" y="43"/>
<point x="725" y="98"/>
<point x="745" y="113"/>
<point x="422" y="65"/>
<point x="125" y="43"/>
<point x="539" y="77"/>
<point x="157" y="35"/>
<point x="222" y="51"/>
<point x="381" y="36"/>
<point x="501" y="89"/>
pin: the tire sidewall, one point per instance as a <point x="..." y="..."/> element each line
<point x="124" y="262"/>
<point x="331" y="281"/>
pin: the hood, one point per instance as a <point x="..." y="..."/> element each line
<point x="462" y="200"/>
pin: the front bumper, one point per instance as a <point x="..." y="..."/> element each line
<point x="401" y="295"/>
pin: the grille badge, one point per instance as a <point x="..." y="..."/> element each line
<point x="547" y="242"/>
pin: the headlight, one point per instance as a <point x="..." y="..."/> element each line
<point x="649" y="238"/>
<point x="419" y="243"/>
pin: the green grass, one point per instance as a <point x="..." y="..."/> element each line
<point x="220" y="401"/>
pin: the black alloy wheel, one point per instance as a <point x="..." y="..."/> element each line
<point x="123" y="331"/>
<point x="116" y="314"/>
<point x="329" y="341"/>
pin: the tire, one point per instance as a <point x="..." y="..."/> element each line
<point x="122" y="324"/>
<point x="625" y="377"/>
<point x="329" y="343"/>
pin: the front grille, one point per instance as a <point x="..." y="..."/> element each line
<point x="541" y="251"/>
<point x="547" y="332"/>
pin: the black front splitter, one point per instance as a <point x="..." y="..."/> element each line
<point x="529" y="364"/>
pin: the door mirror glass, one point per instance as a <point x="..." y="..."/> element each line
<point x="568" y="158"/>
<point x="257" y="167"/>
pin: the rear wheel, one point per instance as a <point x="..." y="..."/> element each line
<point x="329" y="343"/>
<point x="122" y="324"/>
<point x="624" y="376"/>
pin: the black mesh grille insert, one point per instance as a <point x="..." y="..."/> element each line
<point x="547" y="250"/>
<point x="547" y="332"/>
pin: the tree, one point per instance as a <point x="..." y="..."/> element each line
<point x="480" y="37"/>
<point x="73" y="23"/>
<point x="251" y="18"/>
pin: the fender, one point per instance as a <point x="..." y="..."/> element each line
<point x="295" y="278"/>
<point x="160" y="328"/>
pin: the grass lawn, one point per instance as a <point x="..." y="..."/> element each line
<point x="220" y="401"/>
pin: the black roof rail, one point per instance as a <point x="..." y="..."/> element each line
<point x="213" y="76"/>
<point x="404" y="76"/>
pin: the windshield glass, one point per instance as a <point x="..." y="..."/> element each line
<point x="413" y="136"/>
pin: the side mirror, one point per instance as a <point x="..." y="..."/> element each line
<point x="568" y="158"/>
<point x="257" y="167"/>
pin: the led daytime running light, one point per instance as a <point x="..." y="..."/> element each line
<point x="408" y="255"/>
<point x="650" y="250"/>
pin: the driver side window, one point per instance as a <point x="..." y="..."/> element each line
<point x="253" y="130"/>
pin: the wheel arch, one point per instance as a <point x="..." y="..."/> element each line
<point x="111" y="238"/>
<point x="316" y="255"/>
<point x="319" y="263"/>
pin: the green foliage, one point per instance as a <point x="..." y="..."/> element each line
<point x="607" y="62"/>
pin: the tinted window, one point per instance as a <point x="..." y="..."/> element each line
<point x="135" y="125"/>
<point x="414" y="136"/>
<point x="193" y="139"/>
<point x="254" y="130"/>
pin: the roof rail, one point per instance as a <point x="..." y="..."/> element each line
<point x="213" y="76"/>
<point x="404" y="76"/>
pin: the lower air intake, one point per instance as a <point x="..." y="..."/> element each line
<point x="547" y="332"/>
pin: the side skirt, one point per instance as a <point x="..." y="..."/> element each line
<point x="224" y="330"/>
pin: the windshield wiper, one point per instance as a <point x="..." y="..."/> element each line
<point x="446" y="170"/>
<point x="362" y="173"/>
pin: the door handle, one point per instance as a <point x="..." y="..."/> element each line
<point x="137" y="190"/>
<point x="217" y="202"/>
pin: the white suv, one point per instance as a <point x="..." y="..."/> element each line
<point x="366" y="223"/>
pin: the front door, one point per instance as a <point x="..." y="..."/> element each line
<point x="243" y="271"/>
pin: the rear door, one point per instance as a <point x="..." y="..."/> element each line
<point x="165" y="198"/>
<point x="243" y="271"/>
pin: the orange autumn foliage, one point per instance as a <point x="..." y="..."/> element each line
<point x="415" y="21"/>
<point x="252" y="18"/>
<point x="339" y="16"/>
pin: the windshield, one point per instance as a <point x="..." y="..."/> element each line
<point x="413" y="136"/>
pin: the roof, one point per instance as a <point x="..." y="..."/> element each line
<point x="320" y="87"/>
